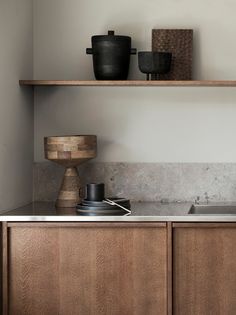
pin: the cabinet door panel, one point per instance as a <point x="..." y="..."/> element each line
<point x="204" y="270"/>
<point x="113" y="270"/>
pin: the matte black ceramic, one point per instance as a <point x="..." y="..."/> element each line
<point x="124" y="202"/>
<point x="152" y="62"/>
<point x="111" y="56"/>
<point x="102" y="208"/>
<point x="95" y="192"/>
<point x="101" y="212"/>
<point x="82" y="207"/>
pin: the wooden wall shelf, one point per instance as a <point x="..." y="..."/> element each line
<point x="138" y="83"/>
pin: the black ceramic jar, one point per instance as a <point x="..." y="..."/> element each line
<point x="111" y="56"/>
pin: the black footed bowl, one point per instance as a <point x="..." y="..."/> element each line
<point x="153" y="62"/>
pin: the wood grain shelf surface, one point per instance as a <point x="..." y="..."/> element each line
<point x="137" y="83"/>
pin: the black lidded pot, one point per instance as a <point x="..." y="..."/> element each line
<point x="111" y="56"/>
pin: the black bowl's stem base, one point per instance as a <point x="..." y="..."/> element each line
<point x="154" y="76"/>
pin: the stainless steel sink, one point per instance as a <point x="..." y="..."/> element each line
<point x="213" y="209"/>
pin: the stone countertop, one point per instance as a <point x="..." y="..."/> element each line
<point x="141" y="211"/>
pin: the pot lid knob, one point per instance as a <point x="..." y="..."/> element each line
<point x="111" y="32"/>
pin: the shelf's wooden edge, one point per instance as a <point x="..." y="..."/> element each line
<point x="192" y="83"/>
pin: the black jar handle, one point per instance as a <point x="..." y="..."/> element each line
<point x="133" y="51"/>
<point x="89" y="51"/>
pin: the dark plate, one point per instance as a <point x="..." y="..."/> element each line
<point x="97" y="208"/>
<point x="101" y="204"/>
<point x="105" y="205"/>
<point x="117" y="200"/>
<point x="101" y="212"/>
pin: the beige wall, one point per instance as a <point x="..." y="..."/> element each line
<point x="16" y="104"/>
<point x="137" y="124"/>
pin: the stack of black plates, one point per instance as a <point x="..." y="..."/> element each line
<point x="88" y="207"/>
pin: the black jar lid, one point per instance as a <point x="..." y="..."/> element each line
<point x="110" y="37"/>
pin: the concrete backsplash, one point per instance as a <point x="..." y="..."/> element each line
<point x="171" y="182"/>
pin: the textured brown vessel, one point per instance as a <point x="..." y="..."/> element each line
<point x="70" y="151"/>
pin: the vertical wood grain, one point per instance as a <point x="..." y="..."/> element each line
<point x="169" y="267"/>
<point x="109" y="270"/>
<point x="33" y="271"/>
<point x="4" y="268"/>
<point x="1" y="271"/>
<point x="204" y="270"/>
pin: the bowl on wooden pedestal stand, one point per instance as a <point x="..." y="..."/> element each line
<point x="70" y="151"/>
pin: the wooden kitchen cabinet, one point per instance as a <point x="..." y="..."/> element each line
<point x="204" y="269"/>
<point x="85" y="268"/>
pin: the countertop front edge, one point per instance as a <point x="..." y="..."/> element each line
<point x="185" y="218"/>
